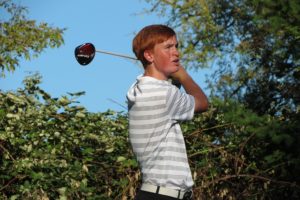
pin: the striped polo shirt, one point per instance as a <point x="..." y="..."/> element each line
<point x="155" y="107"/>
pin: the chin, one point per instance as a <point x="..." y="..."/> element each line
<point x="176" y="68"/>
<point x="172" y="69"/>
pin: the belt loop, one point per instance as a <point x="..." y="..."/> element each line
<point x="178" y="194"/>
<point x="157" y="189"/>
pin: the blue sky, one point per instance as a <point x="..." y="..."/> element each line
<point x="109" y="25"/>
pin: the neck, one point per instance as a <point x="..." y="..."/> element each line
<point x="151" y="71"/>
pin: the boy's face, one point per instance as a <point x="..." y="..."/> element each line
<point x="165" y="57"/>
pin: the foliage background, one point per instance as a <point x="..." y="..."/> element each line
<point x="53" y="148"/>
<point x="245" y="147"/>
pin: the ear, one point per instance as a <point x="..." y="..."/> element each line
<point x="148" y="55"/>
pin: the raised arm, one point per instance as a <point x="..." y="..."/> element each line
<point x="192" y="88"/>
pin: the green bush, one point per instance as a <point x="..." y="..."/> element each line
<point x="236" y="154"/>
<point x="52" y="148"/>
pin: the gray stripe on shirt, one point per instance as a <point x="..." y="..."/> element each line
<point x="149" y="126"/>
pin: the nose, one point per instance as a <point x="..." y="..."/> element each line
<point x="175" y="52"/>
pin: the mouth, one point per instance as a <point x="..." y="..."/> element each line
<point x="176" y="61"/>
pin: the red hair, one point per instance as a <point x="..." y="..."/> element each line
<point x="148" y="37"/>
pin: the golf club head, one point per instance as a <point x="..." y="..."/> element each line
<point x="85" y="53"/>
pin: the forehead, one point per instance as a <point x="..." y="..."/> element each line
<point x="170" y="40"/>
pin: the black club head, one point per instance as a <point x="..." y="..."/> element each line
<point x="85" y="53"/>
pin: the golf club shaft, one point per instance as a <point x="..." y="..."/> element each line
<point x="115" y="54"/>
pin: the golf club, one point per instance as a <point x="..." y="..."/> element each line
<point x="85" y="53"/>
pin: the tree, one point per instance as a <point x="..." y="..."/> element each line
<point x="21" y="37"/>
<point x="255" y="45"/>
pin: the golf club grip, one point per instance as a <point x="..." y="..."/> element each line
<point x="115" y="54"/>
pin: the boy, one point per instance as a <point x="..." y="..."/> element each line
<point x="155" y="108"/>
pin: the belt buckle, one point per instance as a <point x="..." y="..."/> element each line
<point x="188" y="195"/>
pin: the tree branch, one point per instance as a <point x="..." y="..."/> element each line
<point x="4" y="149"/>
<point x="224" y="178"/>
<point x="19" y="177"/>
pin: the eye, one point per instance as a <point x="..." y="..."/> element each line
<point x="168" y="46"/>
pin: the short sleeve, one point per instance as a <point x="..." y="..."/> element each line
<point x="180" y="105"/>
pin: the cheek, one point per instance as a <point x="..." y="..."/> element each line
<point x="163" y="63"/>
<point x="164" y="58"/>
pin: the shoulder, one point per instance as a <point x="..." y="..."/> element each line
<point x="174" y="92"/>
<point x="179" y="102"/>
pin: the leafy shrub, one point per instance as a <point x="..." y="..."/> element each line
<point x="236" y="154"/>
<point x="52" y="148"/>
